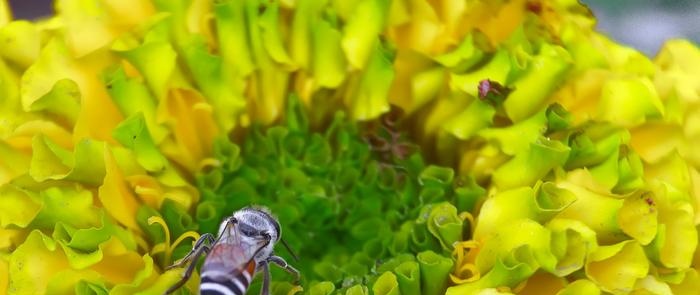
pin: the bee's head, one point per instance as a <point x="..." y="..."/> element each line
<point x="254" y="221"/>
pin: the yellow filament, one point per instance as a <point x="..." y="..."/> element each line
<point x="208" y="163"/>
<point x="165" y="246"/>
<point x="468" y="217"/>
<point x="520" y="287"/>
<point x="462" y="267"/>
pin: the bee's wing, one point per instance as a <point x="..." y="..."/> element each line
<point x="232" y="253"/>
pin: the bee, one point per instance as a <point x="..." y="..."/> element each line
<point x="243" y="247"/>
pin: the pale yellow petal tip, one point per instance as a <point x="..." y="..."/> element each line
<point x="295" y="289"/>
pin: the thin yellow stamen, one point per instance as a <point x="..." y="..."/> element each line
<point x="464" y="272"/>
<point x="166" y="247"/>
<point x="188" y="234"/>
<point x="469" y="217"/>
<point x="520" y="287"/>
<point x="208" y="163"/>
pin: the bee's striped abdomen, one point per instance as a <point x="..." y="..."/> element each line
<point x="214" y="283"/>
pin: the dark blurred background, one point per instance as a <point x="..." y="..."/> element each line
<point x="643" y="24"/>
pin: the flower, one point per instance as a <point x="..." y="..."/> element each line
<point x="129" y="128"/>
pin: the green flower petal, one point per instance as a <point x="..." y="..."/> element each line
<point x="544" y="74"/>
<point x="361" y="30"/>
<point x="386" y="284"/>
<point x="369" y="99"/>
<point x="70" y="205"/>
<point x="62" y="101"/>
<point x="616" y="268"/>
<point x="53" y="64"/>
<point x="594" y="145"/>
<point x="464" y="56"/>
<point x="539" y="204"/>
<point x="177" y="218"/>
<point x="433" y="272"/>
<point x="357" y="290"/>
<point x="133" y="97"/>
<point x="329" y="63"/>
<point x="134" y="134"/>
<point x="90" y="288"/>
<point x="529" y="166"/>
<point x="408" y="277"/>
<point x="421" y="238"/>
<point x="629" y="101"/>
<point x="504" y="273"/>
<point x="155" y="59"/>
<point x="232" y="37"/>
<point x="401" y="239"/>
<point x="518" y="137"/>
<point x="272" y="37"/>
<point x="51" y="161"/>
<point x="496" y="70"/>
<point x="477" y="116"/>
<point x="322" y="288"/>
<point x="88" y="239"/>
<point x="444" y="224"/>
<point x="521" y="235"/>
<point x="572" y="242"/>
<point x="426" y="85"/>
<point x="223" y="90"/>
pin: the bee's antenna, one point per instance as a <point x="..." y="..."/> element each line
<point x="296" y="258"/>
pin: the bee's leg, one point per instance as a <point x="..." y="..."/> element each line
<point x="265" y="290"/>
<point x="279" y="261"/>
<point x="201" y="246"/>
<point x="204" y="241"/>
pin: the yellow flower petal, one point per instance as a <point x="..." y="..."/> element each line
<point x="362" y="29"/>
<point x="35" y="263"/>
<point x="651" y="285"/>
<point x="616" y="268"/>
<point x="193" y="129"/>
<point x="689" y="285"/>
<point x="51" y="161"/>
<point x="594" y="209"/>
<point x="677" y="237"/>
<point x="543" y="283"/>
<point x="17" y="206"/>
<point x="629" y="101"/>
<point x="5" y="13"/>
<point x="580" y="287"/>
<point x="116" y="196"/>
<point x="19" y="42"/>
<point x="4" y="266"/>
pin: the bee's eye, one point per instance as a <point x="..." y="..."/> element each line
<point x="247" y="230"/>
